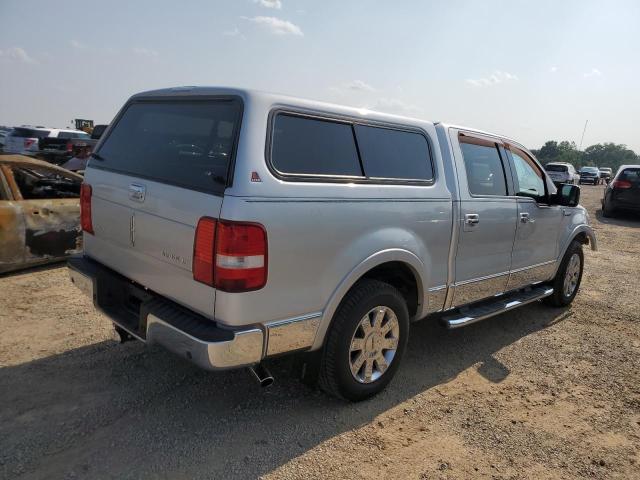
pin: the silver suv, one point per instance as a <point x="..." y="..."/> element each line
<point x="232" y="226"/>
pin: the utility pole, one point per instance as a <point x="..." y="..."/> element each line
<point x="582" y="138"/>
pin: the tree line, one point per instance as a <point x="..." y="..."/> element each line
<point x="599" y="155"/>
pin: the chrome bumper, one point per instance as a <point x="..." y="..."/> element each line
<point x="244" y="349"/>
<point x="160" y="322"/>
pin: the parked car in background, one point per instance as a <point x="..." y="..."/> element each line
<point x="48" y="143"/>
<point x="97" y="131"/>
<point x="590" y="175"/>
<point x="605" y="174"/>
<point x="61" y="145"/>
<point x="206" y="210"/>
<point x="623" y="193"/>
<point x="561" y="172"/>
<point x="24" y="140"/>
<point x="39" y="212"/>
<point x="69" y="145"/>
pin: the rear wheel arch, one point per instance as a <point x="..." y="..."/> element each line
<point x="399" y="268"/>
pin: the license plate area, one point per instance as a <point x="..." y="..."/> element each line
<point x="124" y="302"/>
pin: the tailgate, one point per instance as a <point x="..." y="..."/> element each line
<point x="161" y="168"/>
<point x="150" y="242"/>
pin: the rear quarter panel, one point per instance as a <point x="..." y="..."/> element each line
<point x="321" y="234"/>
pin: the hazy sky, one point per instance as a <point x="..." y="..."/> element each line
<point x="533" y="70"/>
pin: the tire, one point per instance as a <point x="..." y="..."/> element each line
<point x="562" y="294"/>
<point x="607" y="211"/>
<point x="338" y="358"/>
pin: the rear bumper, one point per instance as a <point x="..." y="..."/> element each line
<point x="627" y="206"/>
<point x="156" y="320"/>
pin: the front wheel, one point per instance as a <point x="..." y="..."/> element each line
<point x="567" y="280"/>
<point x="366" y="341"/>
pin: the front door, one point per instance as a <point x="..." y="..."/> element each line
<point x="487" y="218"/>
<point x="535" y="248"/>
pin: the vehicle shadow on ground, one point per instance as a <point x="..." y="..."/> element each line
<point x="34" y="269"/>
<point x="621" y="219"/>
<point x="128" y="411"/>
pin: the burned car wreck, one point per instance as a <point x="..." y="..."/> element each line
<point x="39" y="212"/>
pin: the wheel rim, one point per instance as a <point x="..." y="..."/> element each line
<point x="572" y="275"/>
<point x="374" y="344"/>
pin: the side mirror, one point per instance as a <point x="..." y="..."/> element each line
<point x="567" y="196"/>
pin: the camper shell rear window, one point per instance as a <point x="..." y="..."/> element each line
<point x="184" y="142"/>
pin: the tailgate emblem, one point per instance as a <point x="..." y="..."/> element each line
<point x="137" y="192"/>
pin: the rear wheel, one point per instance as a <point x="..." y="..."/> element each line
<point x="366" y="341"/>
<point x="607" y="211"/>
<point x="567" y="280"/>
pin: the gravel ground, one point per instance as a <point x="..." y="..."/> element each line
<point x="536" y="393"/>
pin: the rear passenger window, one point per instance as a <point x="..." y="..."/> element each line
<point x="485" y="172"/>
<point x="388" y="153"/>
<point x="308" y="146"/>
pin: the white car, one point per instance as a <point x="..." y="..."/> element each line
<point x="561" y="172"/>
<point x="25" y="140"/>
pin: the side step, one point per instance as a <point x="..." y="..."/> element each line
<point x="474" y="313"/>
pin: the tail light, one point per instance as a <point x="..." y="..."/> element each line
<point x="621" y="184"/>
<point x="69" y="146"/>
<point x="203" y="251"/>
<point x="28" y="142"/>
<point x="230" y="256"/>
<point x="85" y="208"/>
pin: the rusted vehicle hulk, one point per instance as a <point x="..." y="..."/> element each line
<point x="39" y="212"/>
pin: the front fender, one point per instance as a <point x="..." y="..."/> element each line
<point x="584" y="229"/>
<point x="384" y="256"/>
<point x="588" y="231"/>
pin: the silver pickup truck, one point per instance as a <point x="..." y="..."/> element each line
<point x="232" y="226"/>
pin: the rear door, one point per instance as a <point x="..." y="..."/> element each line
<point x="487" y="217"/>
<point x="536" y="247"/>
<point x="162" y="167"/>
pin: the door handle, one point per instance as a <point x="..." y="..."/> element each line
<point x="525" y="218"/>
<point x="472" y="219"/>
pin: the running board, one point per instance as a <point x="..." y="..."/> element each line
<point x="474" y="313"/>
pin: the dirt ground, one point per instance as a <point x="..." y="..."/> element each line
<point x="536" y="393"/>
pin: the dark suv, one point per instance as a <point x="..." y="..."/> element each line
<point x="623" y="193"/>
<point x="590" y="175"/>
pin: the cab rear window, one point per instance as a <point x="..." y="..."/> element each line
<point x="184" y="143"/>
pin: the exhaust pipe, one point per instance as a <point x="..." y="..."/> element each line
<point x="124" y="335"/>
<point x="262" y="375"/>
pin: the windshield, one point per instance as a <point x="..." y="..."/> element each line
<point x="589" y="169"/>
<point x="186" y="143"/>
<point x="556" y="168"/>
